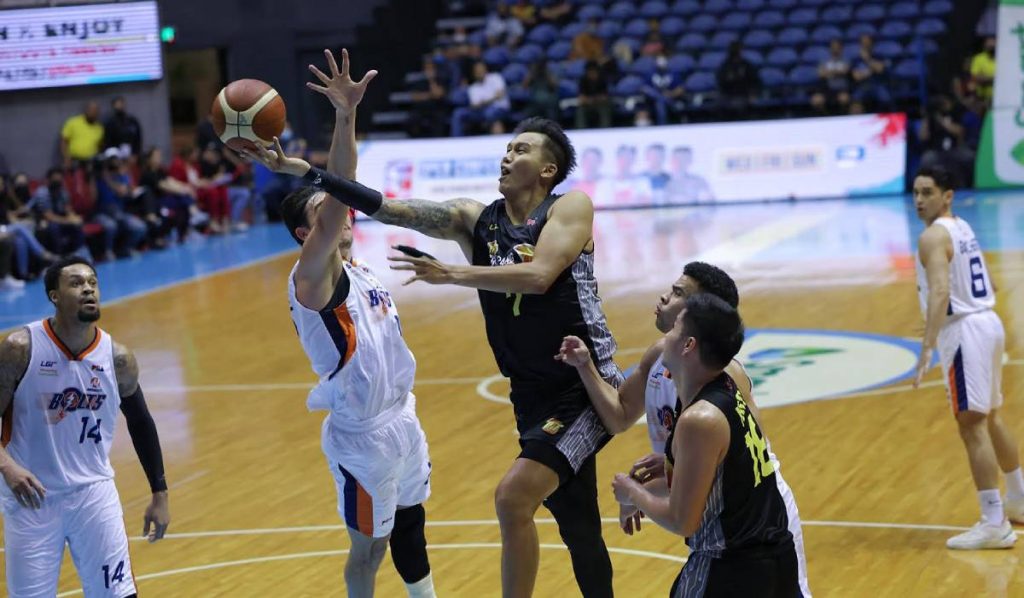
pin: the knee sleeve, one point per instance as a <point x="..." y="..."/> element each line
<point x="409" y="544"/>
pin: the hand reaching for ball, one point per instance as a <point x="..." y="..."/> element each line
<point x="573" y="352"/>
<point x="344" y="93"/>
<point x="275" y="159"/>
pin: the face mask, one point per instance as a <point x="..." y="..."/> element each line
<point x="55" y="189"/>
<point x="21" y="192"/>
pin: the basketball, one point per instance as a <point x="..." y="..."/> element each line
<point x="246" y="112"/>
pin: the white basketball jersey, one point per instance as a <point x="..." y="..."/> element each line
<point x="970" y="288"/>
<point x="60" y="425"/>
<point x="356" y="349"/>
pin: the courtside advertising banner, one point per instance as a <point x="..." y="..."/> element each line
<point x="79" y="45"/>
<point x="1000" y="161"/>
<point x="843" y="156"/>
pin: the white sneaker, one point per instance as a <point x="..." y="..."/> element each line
<point x="983" y="536"/>
<point x="10" y="283"/>
<point x="1014" y="509"/>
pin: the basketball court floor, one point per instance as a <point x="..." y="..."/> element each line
<point x="828" y="294"/>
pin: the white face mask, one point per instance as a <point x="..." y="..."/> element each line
<point x="661" y="61"/>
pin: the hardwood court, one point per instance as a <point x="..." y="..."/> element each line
<point x="880" y="476"/>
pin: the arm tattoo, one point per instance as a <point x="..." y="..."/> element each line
<point x="126" y="370"/>
<point x="15" y="351"/>
<point x="441" y="220"/>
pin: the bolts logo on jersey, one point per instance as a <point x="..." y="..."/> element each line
<point x="380" y="298"/>
<point x="72" y="399"/>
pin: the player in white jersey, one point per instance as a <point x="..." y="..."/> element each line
<point x="62" y="381"/>
<point x="957" y="299"/>
<point x="349" y="328"/>
<point x="650" y="388"/>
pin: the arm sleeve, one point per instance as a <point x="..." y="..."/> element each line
<point x="142" y="429"/>
<point x="351" y="193"/>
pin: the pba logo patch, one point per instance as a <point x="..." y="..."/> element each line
<point x="552" y="426"/>
<point x="666" y="417"/>
<point x="60" y="404"/>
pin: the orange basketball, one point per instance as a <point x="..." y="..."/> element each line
<point x="247" y="112"/>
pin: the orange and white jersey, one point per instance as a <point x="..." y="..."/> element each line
<point x="970" y="287"/>
<point x="60" y="425"/>
<point x="356" y="348"/>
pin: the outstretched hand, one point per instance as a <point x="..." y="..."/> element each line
<point x="573" y="352"/>
<point x="276" y="160"/>
<point x="427" y="269"/>
<point x="344" y="93"/>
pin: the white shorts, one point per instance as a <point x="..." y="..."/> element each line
<point x="90" y="519"/>
<point x="378" y="471"/>
<point x="971" y="352"/>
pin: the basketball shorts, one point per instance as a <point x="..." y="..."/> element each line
<point x="768" y="576"/>
<point x="563" y="443"/>
<point x="971" y="353"/>
<point x="377" y="471"/>
<point x="90" y="519"/>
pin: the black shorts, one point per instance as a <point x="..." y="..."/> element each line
<point x="767" y="576"/>
<point x="564" y="444"/>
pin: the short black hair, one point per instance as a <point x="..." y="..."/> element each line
<point x="52" y="171"/>
<point x="717" y="326"/>
<point x="293" y="209"/>
<point x="557" y="144"/>
<point x="714" y="280"/>
<point x="51" y="278"/>
<point x="943" y="178"/>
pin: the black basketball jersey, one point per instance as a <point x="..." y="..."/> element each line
<point x="526" y="331"/>
<point x="745" y="512"/>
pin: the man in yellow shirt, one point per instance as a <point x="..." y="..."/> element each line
<point x="983" y="70"/>
<point x="82" y="135"/>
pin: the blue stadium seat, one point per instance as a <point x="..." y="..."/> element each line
<point x="691" y="42"/>
<point x="803" y="17"/>
<point x="717" y="7"/>
<point x="527" y="54"/>
<point x="938" y="8"/>
<point x="750" y="5"/>
<point x="637" y="28"/>
<point x="701" y="82"/>
<point x="928" y="46"/>
<point x="851" y="51"/>
<point x="590" y="11"/>
<point x="854" y="31"/>
<point x="514" y="73"/>
<point x="570" y="31"/>
<point x="754" y="57"/>
<point x="477" y="38"/>
<point x="559" y="51"/>
<point x="824" y="34"/>
<point x="681" y="63"/>
<point x="568" y="88"/>
<point x="781" y="57"/>
<point x="759" y="38"/>
<point x="633" y="43"/>
<point x="704" y="23"/>
<point x="496" y="57"/>
<point x="930" y="26"/>
<point x="516" y="93"/>
<point x="573" y="69"/>
<point x="628" y="86"/>
<point x="837" y="15"/>
<point x="815" y="55"/>
<point x="907" y="69"/>
<point x="792" y="36"/>
<point x="803" y="76"/>
<point x="459" y="97"/>
<point x="590" y="1"/>
<point x="542" y="34"/>
<point x="736" y="20"/>
<point x="770" y="19"/>
<point x="904" y="10"/>
<point x="870" y="12"/>
<point x="685" y="8"/>
<point x="895" y="29"/>
<point x="645" y="66"/>
<point x="772" y="77"/>
<point x="609" y="29"/>
<point x="722" y="39"/>
<point x="621" y="11"/>
<point x="888" y="49"/>
<point x="783" y="4"/>
<point x="711" y="60"/>
<point x="814" y="2"/>
<point x="653" y="9"/>
<point x="672" y="26"/>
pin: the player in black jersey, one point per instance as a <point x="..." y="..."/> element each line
<point x="723" y="493"/>
<point x="533" y="264"/>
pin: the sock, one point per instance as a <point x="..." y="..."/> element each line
<point x="424" y="588"/>
<point x="991" y="506"/>
<point x="1015" y="484"/>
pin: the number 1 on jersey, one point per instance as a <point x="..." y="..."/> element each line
<point x="518" y="299"/>
<point x="92" y="433"/>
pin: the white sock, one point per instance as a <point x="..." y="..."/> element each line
<point x="1015" y="484"/>
<point x="424" y="588"/>
<point x="991" y="506"/>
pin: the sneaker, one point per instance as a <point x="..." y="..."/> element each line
<point x="1014" y="508"/>
<point x="10" y="283"/>
<point x="983" y="536"/>
<point x="240" y="227"/>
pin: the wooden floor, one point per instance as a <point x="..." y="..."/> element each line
<point x="880" y="477"/>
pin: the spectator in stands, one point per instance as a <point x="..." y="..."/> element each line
<point x="869" y="75"/>
<point x="122" y="130"/>
<point x="7" y="282"/>
<point x="172" y="197"/>
<point x="942" y="137"/>
<point x="665" y="92"/>
<point x="557" y="12"/>
<point x="983" y="70"/>
<point x="239" y="191"/>
<point x="57" y="225"/>
<point x="501" y="27"/>
<point x="622" y="53"/>
<point x="587" y="45"/>
<point x="113" y="194"/>
<point x="655" y="173"/>
<point x="206" y="135"/>
<point x="429" y="100"/>
<point x="525" y="11"/>
<point x="81" y="137"/>
<point x="542" y="85"/>
<point x="488" y="102"/>
<point x="14" y="219"/>
<point x="594" y="101"/>
<point x="653" y="45"/>
<point x="738" y="81"/>
<point x="685" y="187"/>
<point x="212" y="189"/>
<point x="833" y="94"/>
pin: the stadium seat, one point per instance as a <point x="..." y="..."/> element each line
<point x="759" y="38"/>
<point x="718" y="7"/>
<point x="803" y="17"/>
<point x="722" y="39"/>
<point x="496" y="57"/>
<point x="527" y="54"/>
<point x="824" y="34"/>
<point x="628" y="86"/>
<point x="907" y="69"/>
<point x="573" y="69"/>
<point x="930" y="26"/>
<point x="654" y="9"/>
<point x="673" y="26"/>
<point x="754" y="57"/>
<point x="792" y="36"/>
<point x="710" y="60"/>
<point x="736" y="20"/>
<point x="837" y="15"/>
<point x="559" y="51"/>
<point x="570" y="31"/>
<point x="681" y="63"/>
<point x="772" y="78"/>
<point x="856" y="30"/>
<point x="568" y="88"/>
<point x="750" y="5"/>
<point x="632" y="43"/>
<point x="609" y="29"/>
<point x="514" y="73"/>
<point x="904" y="10"/>
<point x="691" y="42"/>
<point x="892" y="29"/>
<point x="542" y="34"/>
<point x="783" y="4"/>
<point x="938" y="8"/>
<point x="870" y="12"/>
<point x="590" y="12"/>
<point x="888" y="49"/>
<point x="803" y="76"/>
<point x="637" y="28"/>
<point x="621" y="11"/>
<point x="701" y="82"/>
<point x="815" y="55"/>
<point x="704" y="23"/>
<point x="685" y="8"/>
<point x="645" y="66"/>
<point x="782" y="57"/>
<point x="770" y="19"/>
